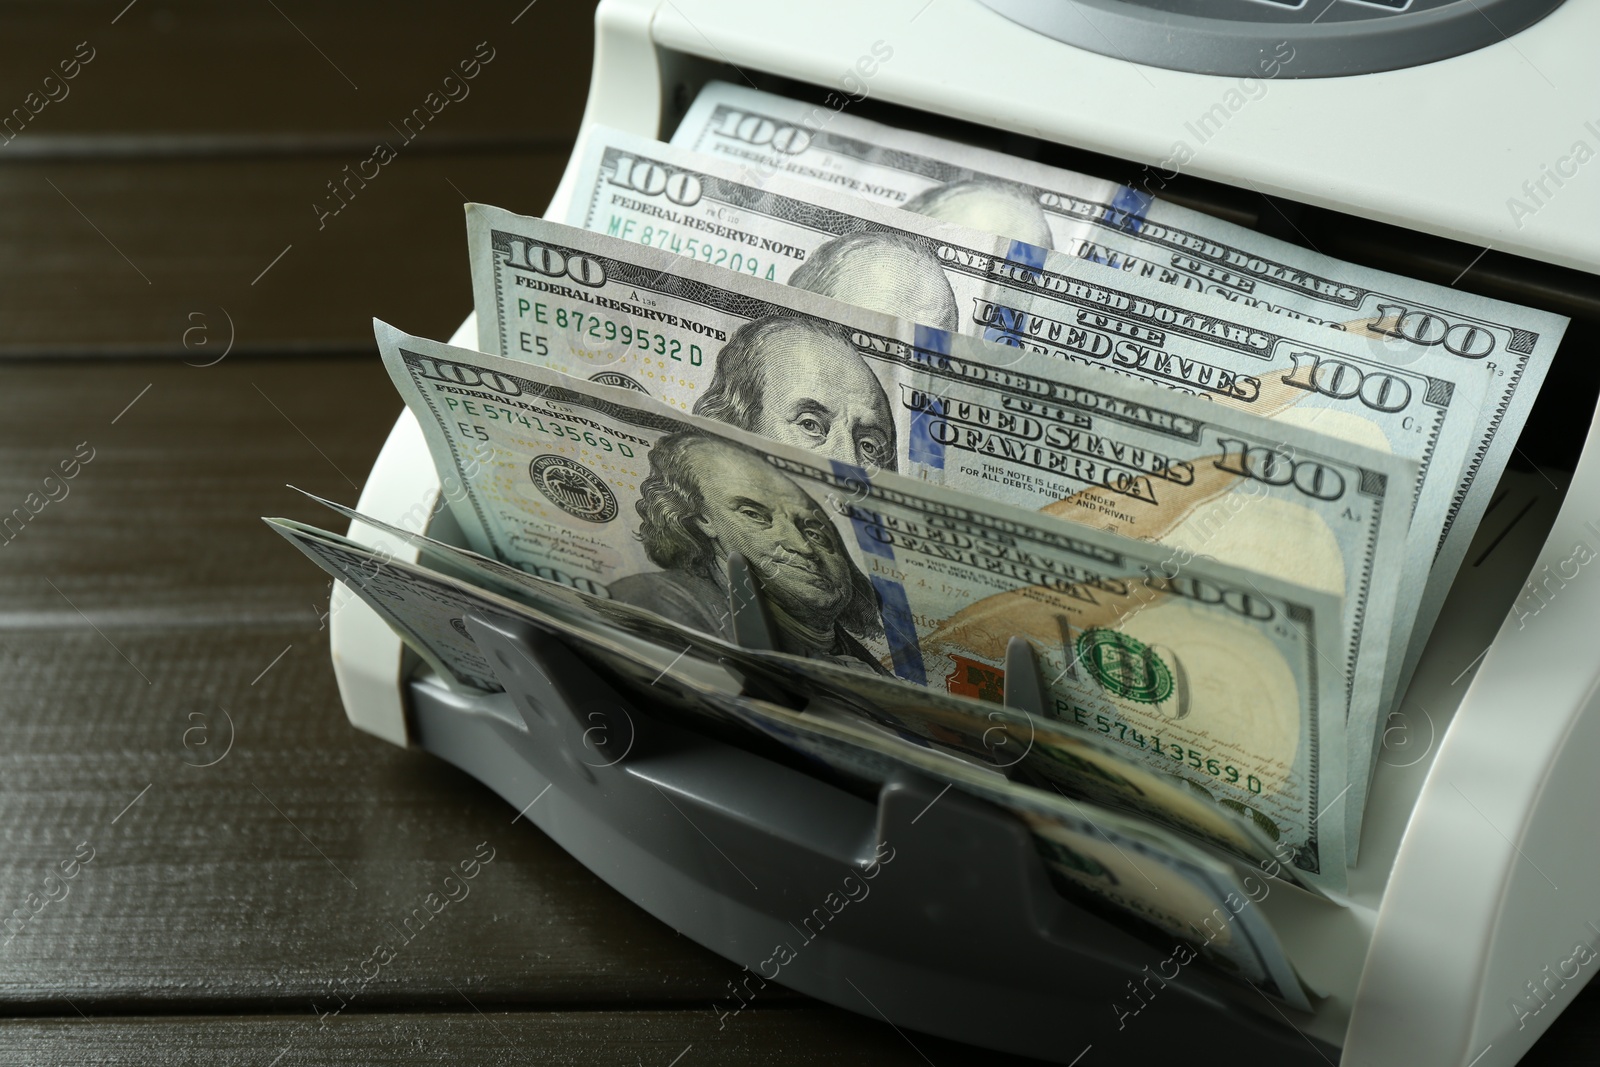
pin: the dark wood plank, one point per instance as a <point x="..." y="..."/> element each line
<point x="263" y="881"/>
<point x="162" y="526"/>
<point x="129" y="258"/>
<point x="797" y="1037"/>
<point x="794" y="1037"/>
<point x="203" y="76"/>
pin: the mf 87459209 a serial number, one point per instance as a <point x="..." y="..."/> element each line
<point x="693" y="247"/>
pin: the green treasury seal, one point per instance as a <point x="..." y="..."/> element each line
<point x="1125" y="666"/>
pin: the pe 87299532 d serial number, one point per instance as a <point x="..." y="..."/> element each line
<point x="587" y="326"/>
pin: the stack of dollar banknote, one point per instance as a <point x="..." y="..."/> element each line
<point x="956" y="416"/>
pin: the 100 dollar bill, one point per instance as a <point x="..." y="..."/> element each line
<point x="1080" y="764"/>
<point x="1217" y="675"/>
<point x="1019" y="294"/>
<point x="967" y="281"/>
<point x="1429" y="327"/>
<point x="1007" y="424"/>
<point x="1142" y="871"/>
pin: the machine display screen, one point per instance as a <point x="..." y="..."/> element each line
<point x="1326" y="38"/>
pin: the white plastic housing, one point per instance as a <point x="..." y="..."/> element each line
<point x="1476" y="874"/>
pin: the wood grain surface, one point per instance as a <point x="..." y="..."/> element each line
<point x="250" y="849"/>
<point x="177" y="257"/>
<point x="467" y="1036"/>
<point x="162" y="525"/>
<point x="198" y="145"/>
<point x="204" y="75"/>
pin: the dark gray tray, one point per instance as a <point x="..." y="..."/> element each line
<point x="955" y="930"/>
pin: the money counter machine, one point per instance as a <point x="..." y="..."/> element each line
<point x="1405" y="134"/>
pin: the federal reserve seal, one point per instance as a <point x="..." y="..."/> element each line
<point x="573" y="488"/>
<point x="618" y="379"/>
<point x="1125" y="666"/>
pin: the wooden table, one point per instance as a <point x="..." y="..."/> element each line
<point x="183" y="322"/>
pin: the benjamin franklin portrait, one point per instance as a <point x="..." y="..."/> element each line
<point x="884" y="272"/>
<point x="706" y="498"/>
<point x="988" y="205"/>
<point x="803" y="383"/>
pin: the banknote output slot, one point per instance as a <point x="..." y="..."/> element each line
<point x="950" y="914"/>
<point x="1500" y="536"/>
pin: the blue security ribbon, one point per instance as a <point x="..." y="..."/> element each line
<point x="856" y="487"/>
<point x="1030" y="256"/>
<point x="923" y="447"/>
<point x="1128" y="209"/>
<point x="1007" y="326"/>
<point x="893" y="606"/>
<point x="900" y="630"/>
